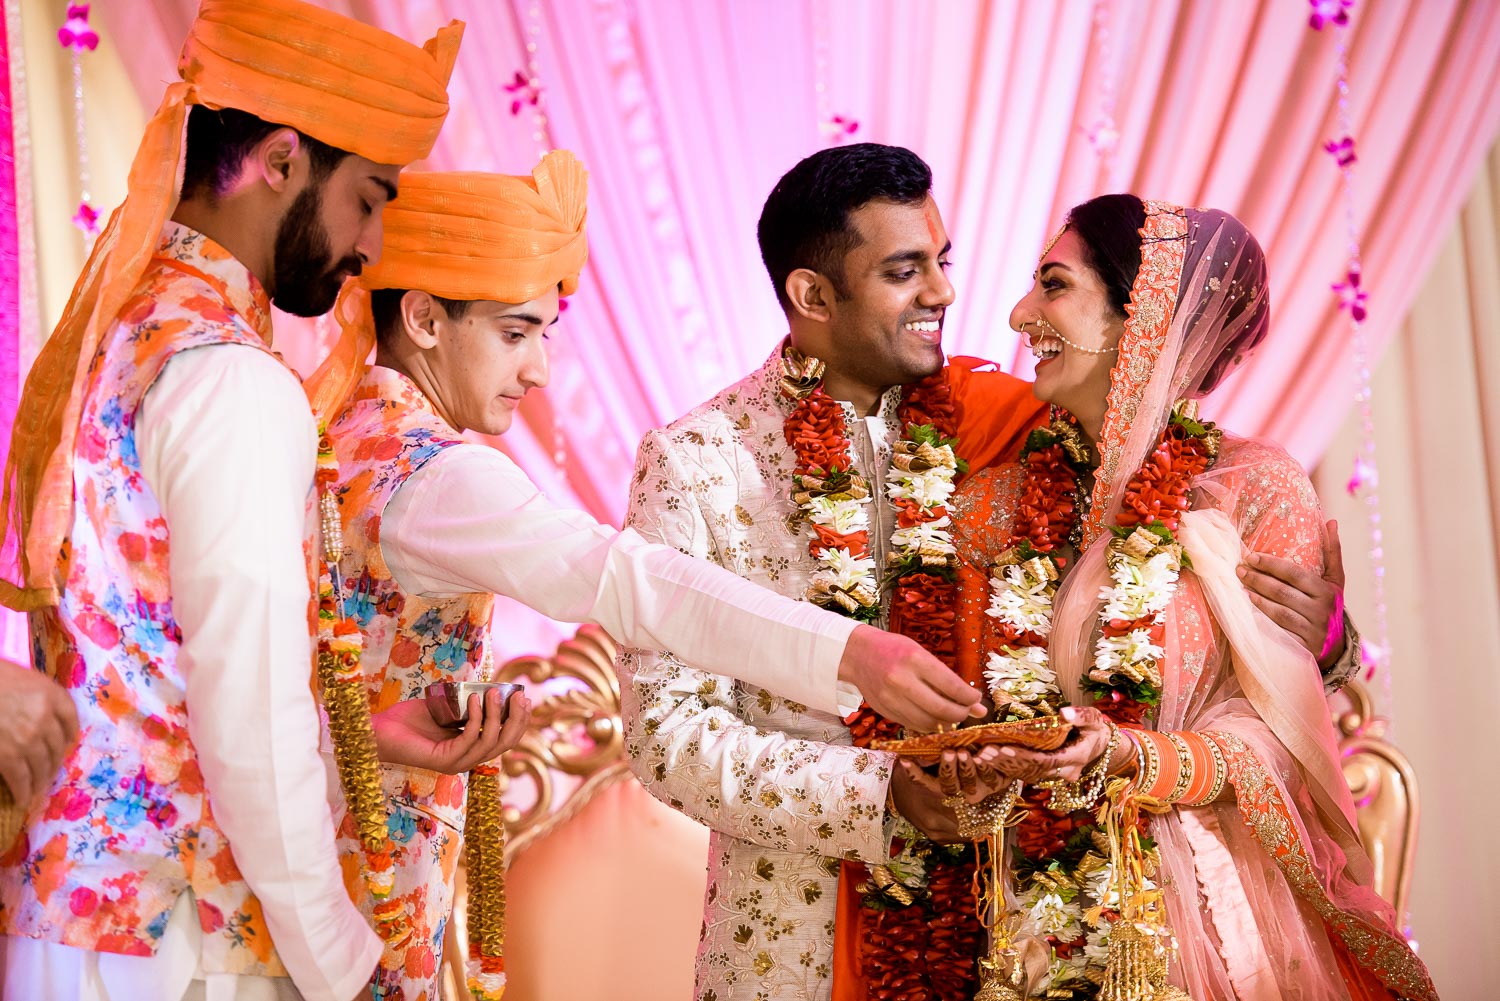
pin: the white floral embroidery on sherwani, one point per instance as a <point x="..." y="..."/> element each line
<point x="782" y="790"/>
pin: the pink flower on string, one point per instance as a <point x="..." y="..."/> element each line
<point x="1351" y="296"/>
<point x="75" y="33"/>
<point x="1364" y="475"/>
<point x="87" y="219"/>
<point x="1341" y="150"/>
<point x="1325" y="12"/>
<point x="524" y="90"/>
<point x="1103" y="135"/>
<point x="1372" y="655"/>
<point x="839" y="127"/>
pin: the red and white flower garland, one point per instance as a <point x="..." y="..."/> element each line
<point x="931" y="910"/>
<point x="1066" y="891"/>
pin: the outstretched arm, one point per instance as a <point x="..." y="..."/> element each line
<point x="691" y="745"/>
<point x="472" y="521"/>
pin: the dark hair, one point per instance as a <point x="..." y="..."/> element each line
<point x="218" y="142"/>
<point x="805" y="221"/>
<point x="1110" y="229"/>
<point x="385" y="306"/>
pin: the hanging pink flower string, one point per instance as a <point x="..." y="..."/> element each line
<point x="1325" y="12"/>
<point x="76" y="35"/>
<point x="835" y="127"/>
<point x="524" y="90"/>
<point x="1103" y="134"/>
<point x="1354" y="300"/>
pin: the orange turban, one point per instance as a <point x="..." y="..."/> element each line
<point x="463" y="236"/>
<point x="344" y="83"/>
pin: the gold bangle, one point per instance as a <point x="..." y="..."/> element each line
<point x="1068" y="797"/>
<point x="1146" y="764"/>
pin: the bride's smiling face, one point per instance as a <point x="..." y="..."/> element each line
<point x="1074" y="331"/>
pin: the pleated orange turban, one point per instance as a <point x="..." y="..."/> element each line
<point x="344" y="83"/>
<point x="463" y="236"/>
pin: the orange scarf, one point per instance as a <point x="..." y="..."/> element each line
<point x="344" y="83"/>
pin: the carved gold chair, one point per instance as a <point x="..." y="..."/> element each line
<point x="1386" y="805"/>
<point x="573" y="750"/>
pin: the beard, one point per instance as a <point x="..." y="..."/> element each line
<point x="307" y="278"/>
<point x="888" y="357"/>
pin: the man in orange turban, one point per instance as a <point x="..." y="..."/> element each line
<point x="156" y="500"/>
<point x="435" y="526"/>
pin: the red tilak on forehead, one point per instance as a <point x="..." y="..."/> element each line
<point x="930" y="213"/>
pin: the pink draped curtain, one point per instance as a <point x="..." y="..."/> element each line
<point x="687" y="111"/>
<point x="14" y="311"/>
<point x="10" y="251"/>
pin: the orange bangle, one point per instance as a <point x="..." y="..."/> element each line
<point x="1184" y="767"/>
<point x="1220" y="771"/>
<point x="1203" y="767"/>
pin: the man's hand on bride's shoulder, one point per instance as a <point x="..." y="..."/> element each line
<point x="1307" y="604"/>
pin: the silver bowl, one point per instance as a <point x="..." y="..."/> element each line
<point x="448" y="701"/>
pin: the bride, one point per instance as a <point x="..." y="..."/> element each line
<point x="1108" y="561"/>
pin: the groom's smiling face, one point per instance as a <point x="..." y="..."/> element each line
<point x="886" y="325"/>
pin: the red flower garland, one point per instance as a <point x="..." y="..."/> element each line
<point x="1046" y="515"/>
<point x="926" y="950"/>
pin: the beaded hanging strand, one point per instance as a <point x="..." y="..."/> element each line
<point x="348" y="706"/>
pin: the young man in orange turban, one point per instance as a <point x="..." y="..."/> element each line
<point x="157" y="489"/>
<point x="434" y="526"/>
<point x="858" y="256"/>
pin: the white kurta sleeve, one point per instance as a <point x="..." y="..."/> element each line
<point x="691" y="745"/>
<point x="472" y="521"/>
<point x="228" y="446"/>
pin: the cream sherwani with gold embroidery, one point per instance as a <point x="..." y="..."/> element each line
<point x="778" y="784"/>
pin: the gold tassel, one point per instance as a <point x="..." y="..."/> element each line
<point x="354" y="751"/>
<point x="484" y="837"/>
<point x="1140" y="940"/>
<point x="12" y="818"/>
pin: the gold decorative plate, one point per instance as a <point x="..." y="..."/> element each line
<point x="1045" y="733"/>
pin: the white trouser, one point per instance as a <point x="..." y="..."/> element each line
<point x="36" y="970"/>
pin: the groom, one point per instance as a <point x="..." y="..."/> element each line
<point x="857" y="253"/>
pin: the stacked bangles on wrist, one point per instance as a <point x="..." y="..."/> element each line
<point x="1179" y="766"/>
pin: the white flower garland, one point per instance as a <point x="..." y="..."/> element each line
<point x="924" y="475"/>
<point x="1144" y="568"/>
<point x="1020" y="678"/>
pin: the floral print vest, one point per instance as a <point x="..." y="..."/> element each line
<point x="127" y="825"/>
<point x="387" y="433"/>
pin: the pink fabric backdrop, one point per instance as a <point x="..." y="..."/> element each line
<point x="687" y="111"/>
<point x="10" y="251"/>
